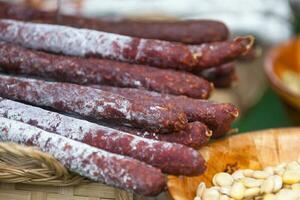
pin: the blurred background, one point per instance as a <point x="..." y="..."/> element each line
<point x="266" y="100"/>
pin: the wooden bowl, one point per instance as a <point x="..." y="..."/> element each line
<point x="253" y="150"/>
<point x="281" y="58"/>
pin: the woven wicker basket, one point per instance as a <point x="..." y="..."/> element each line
<point x="28" y="174"/>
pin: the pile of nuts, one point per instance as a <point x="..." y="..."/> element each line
<point x="281" y="182"/>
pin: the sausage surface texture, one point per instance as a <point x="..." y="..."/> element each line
<point x="90" y="162"/>
<point x="217" y="72"/>
<point x="17" y="59"/>
<point x="170" y="158"/>
<point x="92" y="103"/>
<point x="217" y="53"/>
<point x="195" y="135"/>
<point x="91" y="43"/>
<point x="187" y="31"/>
<point x="226" y="81"/>
<point x="217" y="116"/>
<point x="220" y="76"/>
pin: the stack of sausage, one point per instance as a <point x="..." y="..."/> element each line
<point x="137" y="105"/>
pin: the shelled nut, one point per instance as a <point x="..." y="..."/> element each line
<point x="281" y="182"/>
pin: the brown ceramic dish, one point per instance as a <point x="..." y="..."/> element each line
<point x="282" y="58"/>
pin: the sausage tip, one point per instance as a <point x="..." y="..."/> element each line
<point x="208" y="133"/>
<point x="235" y="113"/>
<point x="246" y="41"/>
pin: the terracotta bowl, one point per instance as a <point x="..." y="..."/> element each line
<point x="253" y="150"/>
<point x="282" y="58"/>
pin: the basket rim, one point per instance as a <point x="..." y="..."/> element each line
<point x="23" y="164"/>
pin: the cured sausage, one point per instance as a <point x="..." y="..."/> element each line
<point x="217" y="72"/>
<point x="218" y="53"/>
<point x="17" y="59"/>
<point x="90" y="43"/>
<point x="187" y="31"/>
<point x="92" y="103"/>
<point x="217" y="116"/>
<point x="170" y="158"/>
<point x="195" y="135"/>
<point x="226" y="81"/>
<point x="90" y="162"/>
<point x="220" y="76"/>
<point x="24" y="12"/>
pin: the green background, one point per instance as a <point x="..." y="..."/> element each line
<point x="268" y="113"/>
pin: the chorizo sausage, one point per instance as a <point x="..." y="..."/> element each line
<point x="217" y="72"/>
<point x="24" y="12"/>
<point x="195" y="135"/>
<point x="91" y="43"/>
<point x="187" y="31"/>
<point x="92" y="103"/>
<point x="218" y="53"/>
<point x="90" y="162"/>
<point x="220" y="76"/>
<point x="226" y="81"/>
<point x="170" y="158"/>
<point x="17" y="59"/>
<point x="217" y="116"/>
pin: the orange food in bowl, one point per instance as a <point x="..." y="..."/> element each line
<point x="282" y="66"/>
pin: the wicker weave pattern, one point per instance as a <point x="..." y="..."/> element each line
<point x="90" y="191"/>
<point x="45" y="178"/>
<point x="19" y="164"/>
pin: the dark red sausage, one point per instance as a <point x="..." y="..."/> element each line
<point x="170" y="158"/>
<point x="23" y="12"/>
<point x="218" y="53"/>
<point x="226" y="81"/>
<point x="195" y="135"/>
<point x="90" y="162"/>
<point x="188" y="31"/>
<point x="221" y="76"/>
<point x="217" y="72"/>
<point x="90" y="43"/>
<point x="93" y="103"/>
<point x="217" y="116"/>
<point x="17" y="59"/>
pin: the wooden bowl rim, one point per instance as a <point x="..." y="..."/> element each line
<point x="273" y="79"/>
<point x="258" y="132"/>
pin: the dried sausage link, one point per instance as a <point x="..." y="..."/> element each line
<point x="91" y="43"/>
<point x="195" y="135"/>
<point x="217" y="72"/>
<point x="218" y="53"/>
<point x="170" y="158"/>
<point x="221" y="76"/>
<point x="92" y="103"/>
<point x="90" y="162"/>
<point x="226" y="81"/>
<point x="187" y="31"/>
<point x="17" y="59"/>
<point x="217" y="116"/>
